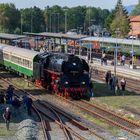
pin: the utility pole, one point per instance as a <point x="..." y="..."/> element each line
<point x="65" y="21"/>
<point x="132" y="50"/>
<point x="21" y="22"/>
<point x="58" y="22"/>
<point x="54" y="25"/>
<point x="50" y="21"/>
<point x="80" y="42"/>
<point x="31" y="22"/>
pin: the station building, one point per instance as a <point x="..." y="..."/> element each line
<point x="135" y="26"/>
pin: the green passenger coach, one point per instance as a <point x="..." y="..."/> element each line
<point x="18" y="59"/>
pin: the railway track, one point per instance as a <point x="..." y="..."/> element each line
<point x="105" y="115"/>
<point x="67" y="128"/>
<point x="73" y="120"/>
<point x="42" y="108"/>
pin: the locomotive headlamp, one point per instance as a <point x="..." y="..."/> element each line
<point x="66" y="82"/>
<point x="74" y="64"/>
<point x="83" y="83"/>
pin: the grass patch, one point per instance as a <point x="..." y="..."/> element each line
<point x="101" y="123"/>
<point x="4" y="132"/>
<point x="104" y="95"/>
<point x="22" y="83"/>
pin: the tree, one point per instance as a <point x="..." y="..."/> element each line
<point x="32" y="20"/>
<point x="91" y="16"/>
<point x="37" y="20"/>
<point x="109" y="20"/>
<point x="103" y="16"/>
<point x="136" y="11"/>
<point x="17" y="31"/>
<point x="9" y="17"/>
<point x="76" y="17"/>
<point x="120" y="21"/>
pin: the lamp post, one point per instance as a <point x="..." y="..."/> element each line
<point x="54" y="27"/>
<point x="52" y="22"/>
<point x="90" y="48"/>
<point x="58" y="22"/>
<point x="132" y="54"/>
<point x="89" y="52"/>
<point x="90" y="33"/>
<point x="115" y="52"/>
<point x="104" y="29"/>
<point x="31" y="22"/>
<point x="80" y="29"/>
<point x="132" y="50"/>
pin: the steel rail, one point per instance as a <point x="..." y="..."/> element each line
<point x="102" y="117"/>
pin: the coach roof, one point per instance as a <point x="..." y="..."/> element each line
<point x="21" y="52"/>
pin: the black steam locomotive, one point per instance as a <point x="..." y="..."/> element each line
<point x="64" y="74"/>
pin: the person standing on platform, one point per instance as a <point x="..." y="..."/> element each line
<point x="123" y="59"/>
<point x="103" y="59"/>
<point x="107" y="77"/>
<point x="16" y="104"/>
<point x="123" y="84"/>
<point x="120" y="57"/>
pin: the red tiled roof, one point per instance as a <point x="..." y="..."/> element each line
<point x="136" y="18"/>
<point x="131" y="17"/>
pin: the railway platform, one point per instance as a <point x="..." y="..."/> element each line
<point x="125" y="70"/>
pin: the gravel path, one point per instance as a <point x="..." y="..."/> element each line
<point x="21" y="124"/>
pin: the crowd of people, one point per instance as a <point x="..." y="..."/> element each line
<point x="122" y="60"/>
<point x="114" y="84"/>
<point x="13" y="104"/>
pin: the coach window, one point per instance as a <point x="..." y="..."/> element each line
<point x="30" y="64"/>
<point x="19" y="61"/>
<point x="27" y="63"/>
<point x="6" y="56"/>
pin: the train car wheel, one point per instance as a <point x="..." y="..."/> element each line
<point x="66" y="95"/>
<point x="86" y="95"/>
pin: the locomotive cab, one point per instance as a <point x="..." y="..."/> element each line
<point x="40" y="62"/>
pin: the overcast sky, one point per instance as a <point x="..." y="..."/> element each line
<point x="106" y="4"/>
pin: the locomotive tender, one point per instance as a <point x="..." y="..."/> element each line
<point x="63" y="74"/>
